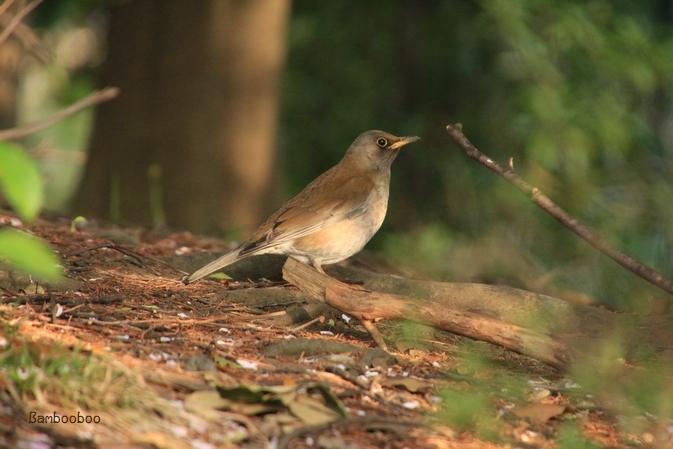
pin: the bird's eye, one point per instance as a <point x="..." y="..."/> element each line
<point x="382" y="142"/>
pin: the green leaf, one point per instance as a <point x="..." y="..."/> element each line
<point x="76" y="223"/>
<point x="20" y="181"/>
<point x="28" y="254"/>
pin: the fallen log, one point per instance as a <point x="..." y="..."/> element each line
<point x="548" y="329"/>
<point x="370" y="306"/>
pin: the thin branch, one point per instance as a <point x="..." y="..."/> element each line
<point x="5" y="6"/>
<point x="17" y="20"/>
<point x="94" y="98"/>
<point x="28" y="38"/>
<point x="591" y="237"/>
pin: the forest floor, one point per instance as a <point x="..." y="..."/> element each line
<point x="143" y="361"/>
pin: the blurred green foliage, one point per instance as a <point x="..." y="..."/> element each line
<point x="468" y="410"/>
<point x="636" y="391"/>
<point x="20" y="181"/>
<point x="21" y="185"/>
<point x="29" y="254"/>
<point x="577" y="92"/>
<point x="47" y="90"/>
<point x="570" y="437"/>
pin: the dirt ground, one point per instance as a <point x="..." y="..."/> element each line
<point x="194" y="366"/>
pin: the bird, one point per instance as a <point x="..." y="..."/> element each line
<point x="334" y="216"/>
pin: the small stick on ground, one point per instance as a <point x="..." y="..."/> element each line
<point x="125" y="251"/>
<point x="376" y="335"/>
<point x="363" y="421"/>
<point x="507" y="171"/>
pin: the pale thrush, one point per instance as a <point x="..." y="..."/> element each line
<point x="334" y="216"/>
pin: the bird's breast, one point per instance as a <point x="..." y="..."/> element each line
<point x="343" y="239"/>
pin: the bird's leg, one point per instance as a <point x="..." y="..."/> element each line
<point x="318" y="266"/>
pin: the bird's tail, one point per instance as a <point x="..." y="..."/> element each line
<point x="215" y="265"/>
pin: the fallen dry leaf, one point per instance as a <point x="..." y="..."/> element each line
<point x="539" y="413"/>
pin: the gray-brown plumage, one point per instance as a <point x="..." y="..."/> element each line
<point x="334" y="216"/>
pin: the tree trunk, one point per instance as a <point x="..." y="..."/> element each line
<point x="191" y="140"/>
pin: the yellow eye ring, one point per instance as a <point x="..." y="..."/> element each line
<point x="382" y="142"/>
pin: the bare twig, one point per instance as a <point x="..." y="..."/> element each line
<point x="507" y="172"/>
<point x="127" y="252"/>
<point x="24" y="34"/>
<point x="17" y="20"/>
<point x="375" y="333"/>
<point x="307" y="324"/>
<point x="5" y="6"/>
<point x="159" y="321"/>
<point x="285" y="441"/>
<point x="92" y="99"/>
<point x="38" y="299"/>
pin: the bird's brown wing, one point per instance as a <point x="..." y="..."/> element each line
<point x="313" y="209"/>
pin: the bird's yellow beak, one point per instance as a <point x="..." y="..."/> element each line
<point x="404" y="141"/>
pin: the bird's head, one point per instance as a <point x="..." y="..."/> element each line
<point x="376" y="150"/>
